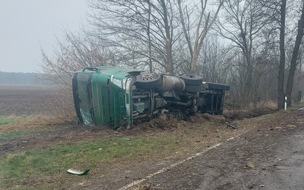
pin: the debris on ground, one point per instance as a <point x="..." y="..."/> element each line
<point x="250" y="165"/>
<point x="229" y="125"/>
<point x="78" y="172"/>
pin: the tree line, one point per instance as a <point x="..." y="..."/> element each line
<point x="255" y="46"/>
<point x="10" y="78"/>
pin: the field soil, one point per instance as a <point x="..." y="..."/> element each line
<point x="28" y="99"/>
<point x="240" y="150"/>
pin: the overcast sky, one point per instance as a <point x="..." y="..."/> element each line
<point x="27" y="25"/>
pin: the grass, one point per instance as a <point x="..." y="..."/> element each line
<point x="25" y="133"/>
<point x="297" y="105"/>
<point x="4" y="120"/>
<point x="20" y="168"/>
<point x="9" y="132"/>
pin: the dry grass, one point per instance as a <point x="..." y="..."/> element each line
<point x="35" y="122"/>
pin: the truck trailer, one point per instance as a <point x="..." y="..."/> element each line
<point x="117" y="96"/>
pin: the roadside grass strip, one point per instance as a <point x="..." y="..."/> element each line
<point x="20" y="168"/>
<point x="22" y="134"/>
<point x="4" y="120"/>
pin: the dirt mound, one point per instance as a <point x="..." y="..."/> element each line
<point x="242" y="114"/>
<point x="169" y="120"/>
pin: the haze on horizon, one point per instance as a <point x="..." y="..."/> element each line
<point x="27" y="26"/>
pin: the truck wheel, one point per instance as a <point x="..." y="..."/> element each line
<point x="148" y="80"/>
<point x="193" y="88"/>
<point x="192" y="80"/>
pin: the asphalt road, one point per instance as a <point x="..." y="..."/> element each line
<point x="288" y="172"/>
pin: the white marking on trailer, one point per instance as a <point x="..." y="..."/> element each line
<point x="124" y="84"/>
<point x="112" y="76"/>
<point x="116" y="81"/>
<point x="128" y="98"/>
<point x="128" y="85"/>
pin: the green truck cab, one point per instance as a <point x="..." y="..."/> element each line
<point x="117" y="96"/>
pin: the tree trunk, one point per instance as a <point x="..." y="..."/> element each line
<point x="169" y="60"/>
<point x="149" y="38"/>
<point x="169" y="67"/>
<point x="280" y="100"/>
<point x="294" y="58"/>
<point x="194" y="62"/>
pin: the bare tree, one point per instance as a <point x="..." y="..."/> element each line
<point x="214" y="61"/>
<point x="282" y="13"/>
<point x="295" y="55"/>
<point x="74" y="53"/>
<point x="201" y="25"/>
<point x="277" y="15"/>
<point x="242" y="23"/>
<point x="278" y="12"/>
<point x="148" y="24"/>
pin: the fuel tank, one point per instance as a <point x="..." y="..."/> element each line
<point x="172" y="83"/>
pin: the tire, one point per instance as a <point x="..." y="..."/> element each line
<point x="148" y="80"/>
<point x="193" y="88"/>
<point x="192" y="80"/>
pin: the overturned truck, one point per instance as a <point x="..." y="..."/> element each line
<point x="116" y="96"/>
